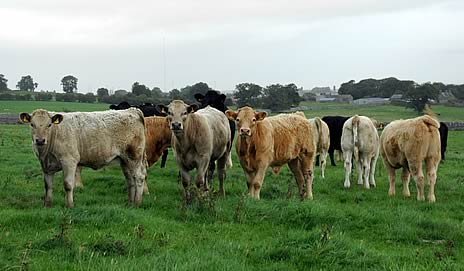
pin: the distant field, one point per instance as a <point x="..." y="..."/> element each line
<point x="382" y="112"/>
<point x="16" y="107"/>
<point x="341" y="229"/>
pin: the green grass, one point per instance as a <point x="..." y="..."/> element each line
<point x="381" y="112"/>
<point x="354" y="229"/>
<point x="16" y="107"/>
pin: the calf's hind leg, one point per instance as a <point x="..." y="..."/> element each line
<point x="415" y="167"/>
<point x="221" y="165"/>
<point x="295" y="168"/>
<point x="307" y="167"/>
<point x="348" y="156"/>
<point x="405" y="176"/>
<point x="431" y="169"/>
<point x="391" y="178"/>
<point x="135" y="173"/>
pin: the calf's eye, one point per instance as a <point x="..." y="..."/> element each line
<point x="32" y="125"/>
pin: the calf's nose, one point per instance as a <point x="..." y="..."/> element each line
<point x="176" y="126"/>
<point x="40" y="142"/>
<point x="245" y="131"/>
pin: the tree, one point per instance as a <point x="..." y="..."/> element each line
<point x="458" y="91"/>
<point x="174" y="94"/>
<point x="3" y="83"/>
<point x="140" y="89"/>
<point x="248" y="94"/>
<point x="421" y="95"/>
<point x="120" y="93"/>
<point x="69" y="83"/>
<point x="278" y="97"/>
<point x="26" y="84"/>
<point x="188" y="92"/>
<point x="376" y="88"/>
<point x="102" y="92"/>
<point x="157" y="93"/>
<point x="86" y="98"/>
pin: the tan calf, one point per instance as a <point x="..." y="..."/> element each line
<point x="158" y="139"/>
<point x="406" y="144"/>
<point x="274" y="141"/>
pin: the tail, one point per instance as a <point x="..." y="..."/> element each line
<point x="318" y="123"/>
<point x="428" y="111"/>
<point x="355" y="125"/>
<point x="164" y="158"/>
<point x="430" y="121"/>
<point x="229" y="160"/>
<point x="300" y="113"/>
<point x="430" y="118"/>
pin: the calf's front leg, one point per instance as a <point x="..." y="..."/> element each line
<point x="48" y="181"/>
<point x="69" y="172"/>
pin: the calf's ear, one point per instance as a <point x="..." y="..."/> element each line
<point x="199" y="97"/>
<point x="57" y="118"/>
<point x="159" y="112"/>
<point x="230" y="114"/>
<point x="162" y="108"/>
<point x="260" y="115"/>
<point x="25" y="117"/>
<point x="192" y="108"/>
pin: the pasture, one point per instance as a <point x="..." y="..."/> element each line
<point x="16" y="107"/>
<point x="350" y="229"/>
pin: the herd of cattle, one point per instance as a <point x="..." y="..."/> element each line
<point x="201" y="137"/>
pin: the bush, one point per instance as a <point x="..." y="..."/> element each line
<point x="43" y="96"/>
<point x="66" y="97"/>
<point x="87" y="98"/>
<point x="6" y="96"/>
<point x="24" y="97"/>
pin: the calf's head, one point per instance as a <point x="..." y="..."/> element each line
<point x="177" y="112"/>
<point x="41" y="121"/>
<point x="246" y="119"/>
<point x="212" y="98"/>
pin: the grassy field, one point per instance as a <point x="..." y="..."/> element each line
<point x="354" y="229"/>
<point x="16" y="107"/>
<point x="381" y="113"/>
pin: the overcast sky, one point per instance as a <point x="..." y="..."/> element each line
<point x="171" y="44"/>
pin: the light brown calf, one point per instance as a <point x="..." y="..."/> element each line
<point x="158" y="139"/>
<point x="274" y="141"/>
<point x="406" y="144"/>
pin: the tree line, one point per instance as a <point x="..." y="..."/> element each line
<point x="26" y="83"/>
<point x="276" y="97"/>
<point x="414" y="95"/>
